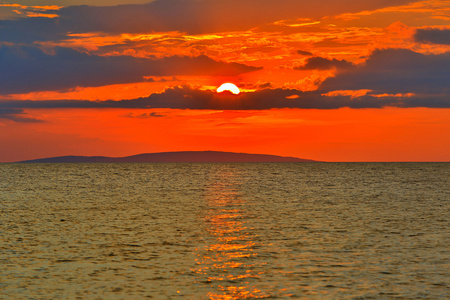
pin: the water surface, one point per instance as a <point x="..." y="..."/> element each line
<point x="224" y="231"/>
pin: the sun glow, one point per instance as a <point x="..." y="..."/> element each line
<point x="228" y="87"/>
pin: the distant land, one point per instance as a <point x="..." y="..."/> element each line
<point x="184" y="156"/>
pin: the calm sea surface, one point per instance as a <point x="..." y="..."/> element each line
<point x="225" y="231"/>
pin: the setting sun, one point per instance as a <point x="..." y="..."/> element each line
<point x="229" y="87"/>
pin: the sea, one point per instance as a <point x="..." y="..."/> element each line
<point x="225" y="231"/>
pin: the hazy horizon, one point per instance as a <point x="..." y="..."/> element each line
<point x="202" y="151"/>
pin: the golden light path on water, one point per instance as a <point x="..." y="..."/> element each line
<point x="230" y="262"/>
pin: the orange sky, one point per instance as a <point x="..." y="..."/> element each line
<point x="341" y="81"/>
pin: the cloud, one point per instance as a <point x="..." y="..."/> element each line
<point x="435" y="36"/>
<point x="320" y="63"/>
<point x="145" y="115"/>
<point x="390" y="77"/>
<point x="190" y="16"/>
<point x="26" y="69"/>
<point x="305" y="53"/>
<point x="394" y="71"/>
<point x="189" y="98"/>
<point x="16" y="115"/>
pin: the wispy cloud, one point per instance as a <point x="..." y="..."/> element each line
<point x="190" y="16"/>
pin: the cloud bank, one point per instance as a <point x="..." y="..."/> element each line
<point x="390" y="77"/>
<point x="396" y="71"/>
<point x="27" y="69"/>
<point x="188" y="98"/>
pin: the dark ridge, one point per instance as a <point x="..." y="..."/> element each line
<point x="184" y="156"/>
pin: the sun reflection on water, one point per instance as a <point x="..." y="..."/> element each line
<point x="227" y="263"/>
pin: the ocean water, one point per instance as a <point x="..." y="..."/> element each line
<point x="225" y="231"/>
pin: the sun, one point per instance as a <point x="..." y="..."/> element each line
<point x="228" y="87"/>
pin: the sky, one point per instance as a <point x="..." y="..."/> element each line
<point x="330" y="80"/>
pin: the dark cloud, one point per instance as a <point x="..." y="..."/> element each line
<point x="189" y="98"/>
<point x="305" y="53"/>
<point x="16" y="115"/>
<point x="26" y="69"/>
<point x="435" y="36"/>
<point x="396" y="71"/>
<point x="76" y="2"/>
<point x="145" y="115"/>
<point x="265" y="85"/>
<point x="191" y="16"/>
<point x="320" y="63"/>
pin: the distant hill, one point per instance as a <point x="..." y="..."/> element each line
<point x="184" y="156"/>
